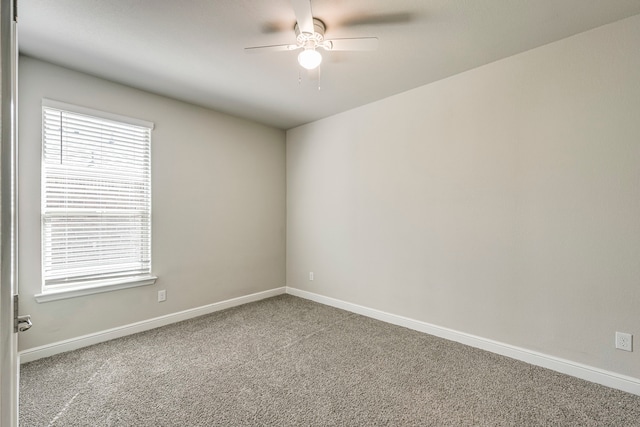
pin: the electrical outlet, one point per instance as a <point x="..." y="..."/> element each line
<point x="311" y="275"/>
<point x="162" y="295"/>
<point x="624" y="341"/>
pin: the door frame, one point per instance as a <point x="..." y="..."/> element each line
<point x="9" y="359"/>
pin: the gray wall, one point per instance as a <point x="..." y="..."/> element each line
<point x="218" y="206"/>
<point x="503" y="202"/>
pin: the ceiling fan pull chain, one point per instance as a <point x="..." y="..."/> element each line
<point x="319" y="76"/>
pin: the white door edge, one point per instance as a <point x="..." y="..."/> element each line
<point x="9" y="360"/>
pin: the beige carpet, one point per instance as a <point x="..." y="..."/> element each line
<point x="286" y="361"/>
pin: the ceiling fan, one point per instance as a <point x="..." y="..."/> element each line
<point x="310" y="38"/>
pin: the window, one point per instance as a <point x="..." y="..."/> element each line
<point x="96" y="200"/>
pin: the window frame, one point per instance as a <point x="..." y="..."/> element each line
<point x="86" y="287"/>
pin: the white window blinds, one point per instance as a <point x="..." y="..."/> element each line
<point x="96" y="198"/>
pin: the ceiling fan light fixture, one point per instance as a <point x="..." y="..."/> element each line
<point x="309" y="58"/>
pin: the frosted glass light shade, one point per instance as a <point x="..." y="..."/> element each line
<point x="309" y="58"/>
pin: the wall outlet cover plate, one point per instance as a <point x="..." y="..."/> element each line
<point x="624" y="341"/>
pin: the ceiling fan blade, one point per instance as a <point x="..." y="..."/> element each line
<point x="275" y="27"/>
<point x="302" y="9"/>
<point x="378" y="19"/>
<point x="361" y="43"/>
<point x="273" y="48"/>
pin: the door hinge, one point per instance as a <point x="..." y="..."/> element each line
<point x="15" y="313"/>
<point x="15" y="10"/>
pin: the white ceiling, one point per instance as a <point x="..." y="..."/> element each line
<point x="193" y="50"/>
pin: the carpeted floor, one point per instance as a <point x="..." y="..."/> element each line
<point x="286" y="361"/>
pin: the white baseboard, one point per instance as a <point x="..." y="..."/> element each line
<point x="133" y="328"/>
<point x="589" y="373"/>
<point x="585" y="372"/>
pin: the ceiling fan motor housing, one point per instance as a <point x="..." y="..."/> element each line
<point x="311" y="41"/>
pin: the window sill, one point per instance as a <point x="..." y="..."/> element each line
<point x="81" y="289"/>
